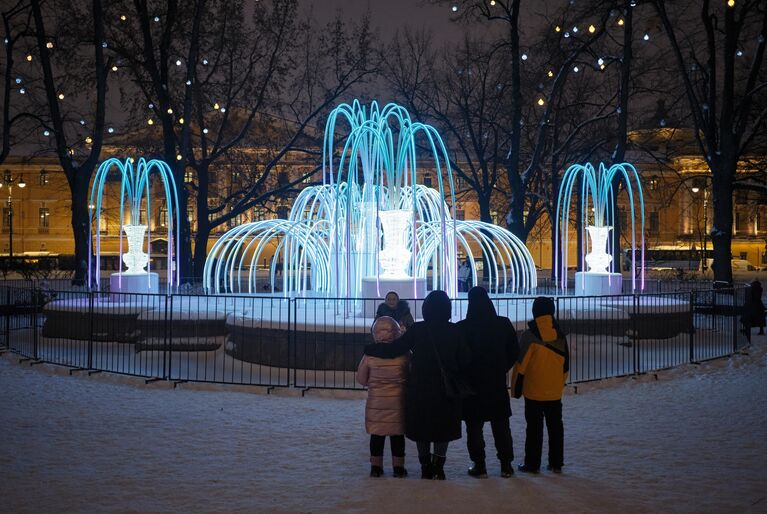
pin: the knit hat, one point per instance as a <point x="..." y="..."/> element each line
<point x="542" y="306"/>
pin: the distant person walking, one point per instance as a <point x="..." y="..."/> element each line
<point x="395" y="308"/>
<point x="494" y="349"/>
<point x="540" y="378"/>
<point x="464" y="276"/>
<point x="385" y="406"/>
<point x="755" y="307"/>
<point x="433" y="418"/>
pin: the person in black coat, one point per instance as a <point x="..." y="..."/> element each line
<point x="431" y="418"/>
<point x="754" y="309"/>
<point x="494" y="349"/>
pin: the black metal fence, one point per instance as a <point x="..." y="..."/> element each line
<point x="318" y="342"/>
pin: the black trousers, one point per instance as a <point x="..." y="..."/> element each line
<point x="535" y="413"/>
<point x="425" y="448"/>
<point x="397" y="443"/>
<point x="475" y="440"/>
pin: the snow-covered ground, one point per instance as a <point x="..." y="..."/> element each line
<point x="694" y="440"/>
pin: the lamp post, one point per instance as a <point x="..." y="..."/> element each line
<point x="8" y="182"/>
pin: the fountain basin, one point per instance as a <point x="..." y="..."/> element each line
<point x="594" y="283"/>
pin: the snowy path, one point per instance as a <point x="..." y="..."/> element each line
<point x="693" y="441"/>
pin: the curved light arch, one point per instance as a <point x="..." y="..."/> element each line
<point x="332" y="235"/>
<point x="135" y="188"/>
<point x="597" y="193"/>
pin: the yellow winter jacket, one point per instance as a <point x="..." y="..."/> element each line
<point x="543" y="371"/>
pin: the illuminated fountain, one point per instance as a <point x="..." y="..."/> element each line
<point x="598" y="215"/>
<point x="135" y="185"/>
<point x="371" y="227"/>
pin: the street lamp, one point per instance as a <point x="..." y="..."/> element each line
<point x="8" y="182"/>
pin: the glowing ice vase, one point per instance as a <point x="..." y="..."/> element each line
<point x="395" y="256"/>
<point x="135" y="258"/>
<point x="598" y="259"/>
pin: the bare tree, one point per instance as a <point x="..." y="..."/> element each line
<point x="56" y="51"/>
<point x="224" y="80"/>
<point x="721" y="65"/>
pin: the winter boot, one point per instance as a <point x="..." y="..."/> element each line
<point x="438" y="465"/>
<point x="398" y="463"/>
<point x="376" y="466"/>
<point x="506" y="469"/>
<point x="478" y="470"/>
<point x="427" y="471"/>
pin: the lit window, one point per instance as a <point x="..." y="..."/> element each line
<point x="43" y="222"/>
<point x="43" y="177"/>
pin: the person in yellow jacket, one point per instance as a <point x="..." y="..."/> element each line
<point x="540" y="377"/>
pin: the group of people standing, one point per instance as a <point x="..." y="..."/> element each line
<point x="425" y="378"/>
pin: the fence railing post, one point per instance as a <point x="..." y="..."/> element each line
<point x="634" y="333"/>
<point x="36" y="299"/>
<point x="735" y="311"/>
<point x="165" y="374"/>
<point x="90" y="329"/>
<point x="8" y="318"/>
<point x="692" y="326"/>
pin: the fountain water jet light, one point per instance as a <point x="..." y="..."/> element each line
<point x="597" y="197"/>
<point x="135" y="186"/>
<point x="331" y="242"/>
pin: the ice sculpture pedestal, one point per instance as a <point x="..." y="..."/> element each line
<point x="597" y="283"/>
<point x="133" y="283"/>
<point x="377" y="288"/>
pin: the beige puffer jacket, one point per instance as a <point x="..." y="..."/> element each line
<point x="385" y="406"/>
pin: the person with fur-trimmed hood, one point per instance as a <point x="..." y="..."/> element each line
<point x="395" y="308"/>
<point x="540" y="377"/>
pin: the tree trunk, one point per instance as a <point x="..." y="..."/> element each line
<point x="721" y="229"/>
<point x="484" y="215"/>
<point x="201" y="247"/>
<point x="80" y="226"/>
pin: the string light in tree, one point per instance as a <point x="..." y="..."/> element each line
<point x="215" y="105"/>
<point x="524" y="57"/>
<point x="541" y="102"/>
<point x="455" y="8"/>
<point x="205" y="62"/>
<point x="550" y="73"/>
<point x="492" y="2"/>
<point x="178" y="157"/>
<point x="61" y="96"/>
<point x="620" y="21"/>
<point x="46" y="133"/>
<point x="150" y="121"/>
<point x="114" y="67"/>
<point x="88" y="140"/>
<point x="111" y="130"/>
<point x="575" y="30"/>
<point x="557" y="29"/>
<point x="82" y="122"/>
<point x="181" y="121"/>
<point x="22" y="91"/>
<point x="600" y="61"/>
<point x="730" y="3"/>
<point x="169" y="111"/>
<point x="156" y="19"/>
<point x="205" y="131"/>
<point x="123" y="17"/>
<point x="739" y="53"/>
<point x="29" y="57"/>
<point x="18" y="80"/>
<point x="592" y="29"/>
<point x="576" y="69"/>
<point x="49" y="45"/>
<point x="178" y="62"/>
<point x="646" y="37"/>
